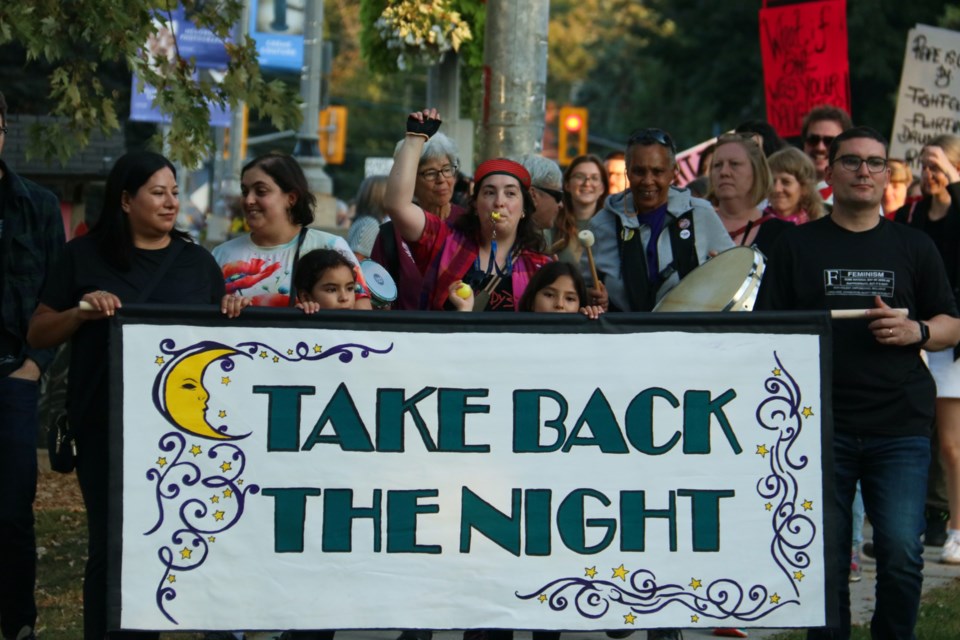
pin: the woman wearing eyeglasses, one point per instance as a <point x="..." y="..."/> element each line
<point x="433" y="190"/>
<point x="585" y="185"/>
<point x="938" y="214"/>
<point x="739" y="181"/>
<point x="494" y="248"/>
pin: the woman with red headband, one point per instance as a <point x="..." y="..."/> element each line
<point x="494" y="248"/>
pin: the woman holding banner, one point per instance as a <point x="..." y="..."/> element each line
<point x="495" y="247"/>
<point x="132" y="255"/>
<point x="938" y="214"/>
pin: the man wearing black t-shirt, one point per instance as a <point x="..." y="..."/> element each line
<point x="883" y="394"/>
<point x="31" y="236"/>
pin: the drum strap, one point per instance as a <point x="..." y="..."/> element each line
<point x="641" y="293"/>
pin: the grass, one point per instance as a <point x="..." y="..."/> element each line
<point x="61" y="540"/>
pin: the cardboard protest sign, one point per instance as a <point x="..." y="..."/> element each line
<point x="387" y="470"/>
<point x="928" y="102"/>
<point x="805" y="64"/>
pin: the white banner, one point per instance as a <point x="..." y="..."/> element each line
<point x="928" y="102"/>
<point x="583" y="476"/>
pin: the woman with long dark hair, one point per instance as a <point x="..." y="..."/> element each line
<point x="133" y="254"/>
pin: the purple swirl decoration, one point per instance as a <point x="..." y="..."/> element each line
<point x="189" y="548"/>
<point x="722" y="599"/>
<point x="302" y="351"/>
<point x="793" y="532"/>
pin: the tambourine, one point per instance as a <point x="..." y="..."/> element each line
<point x="383" y="290"/>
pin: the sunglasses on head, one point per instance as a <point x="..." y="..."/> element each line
<point x="814" y="139"/>
<point x="651" y="136"/>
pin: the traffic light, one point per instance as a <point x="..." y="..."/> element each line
<point x="572" y="139"/>
<point x="333" y="134"/>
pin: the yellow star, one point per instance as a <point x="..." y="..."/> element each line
<point x="775" y="598"/>
<point x="218" y="515"/>
<point x="620" y="572"/>
<point x="161" y="462"/>
<point x="798" y="576"/>
<point x="264" y="355"/>
<point x="807" y="412"/>
<point x="316" y="348"/>
<point x="629" y="618"/>
<point x="776" y="372"/>
<point x="289" y="352"/>
<point x="695" y="584"/>
<point x="590" y="572"/>
<point x="227" y="493"/>
<point x="159" y="360"/>
<point x="542" y="597"/>
<point x="171" y="578"/>
<point x="276" y="358"/>
<point x="222" y="413"/>
<point x="225" y="380"/>
<point x="768" y="506"/>
<point x="762" y="450"/>
<point x="214" y="499"/>
<point x="807" y="505"/>
<point x="212" y="539"/>
<point x="196" y="450"/>
<point x="226" y="466"/>
<point x="694" y="618"/>
<point x="240" y="481"/>
<point x="185" y="553"/>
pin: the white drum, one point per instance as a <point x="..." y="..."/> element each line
<point x="728" y="282"/>
<point x="383" y="290"/>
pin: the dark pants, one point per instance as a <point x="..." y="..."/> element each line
<point x="92" y="471"/>
<point x="18" y="488"/>
<point x="893" y="478"/>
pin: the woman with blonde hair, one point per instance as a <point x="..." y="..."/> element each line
<point x="739" y="181"/>
<point x="937" y="213"/>
<point x="794" y="196"/>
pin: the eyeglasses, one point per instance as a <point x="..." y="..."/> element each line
<point x="431" y="175"/>
<point x="553" y="193"/>
<point x="875" y="164"/>
<point x="650" y="136"/>
<point x="813" y="140"/>
<point x="582" y="177"/>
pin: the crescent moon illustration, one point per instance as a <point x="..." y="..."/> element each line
<point x="183" y="398"/>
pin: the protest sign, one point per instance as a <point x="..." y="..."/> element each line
<point x="928" y="102"/>
<point x="804" y="50"/>
<point x="385" y="470"/>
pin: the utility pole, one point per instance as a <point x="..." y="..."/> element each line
<point x="307" y="150"/>
<point x="515" y="77"/>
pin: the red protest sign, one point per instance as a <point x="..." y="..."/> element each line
<point x="805" y="64"/>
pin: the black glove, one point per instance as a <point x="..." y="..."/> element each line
<point x="428" y="127"/>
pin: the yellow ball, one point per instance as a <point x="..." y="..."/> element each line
<point x="464" y="290"/>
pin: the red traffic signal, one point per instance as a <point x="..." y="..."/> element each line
<point x="572" y="138"/>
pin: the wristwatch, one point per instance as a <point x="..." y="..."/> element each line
<point x="924" y="334"/>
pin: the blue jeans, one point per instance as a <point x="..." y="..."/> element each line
<point x="893" y="477"/>
<point x="18" y="488"/>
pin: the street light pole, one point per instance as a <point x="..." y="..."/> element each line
<point x="515" y="77"/>
<point x="307" y="150"/>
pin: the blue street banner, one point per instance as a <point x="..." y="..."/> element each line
<point x="363" y="470"/>
<point x="277" y="28"/>
<point x="176" y="32"/>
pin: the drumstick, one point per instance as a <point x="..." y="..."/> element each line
<point x="852" y="314"/>
<point x="85" y="306"/>
<point x="586" y="239"/>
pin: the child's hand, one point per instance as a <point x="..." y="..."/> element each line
<point x="309" y="306"/>
<point x="592" y="311"/>
<point x="232" y="305"/>
<point x="461" y="296"/>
